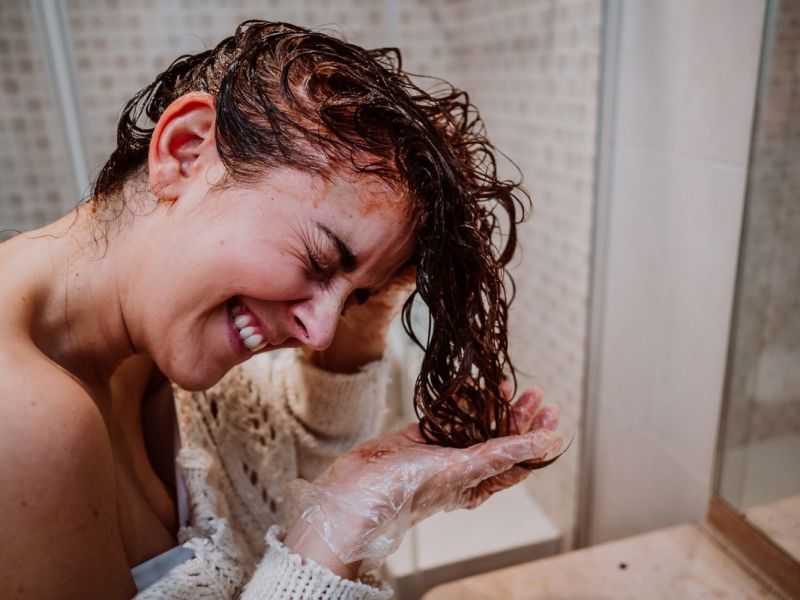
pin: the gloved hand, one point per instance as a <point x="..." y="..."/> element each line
<point x="368" y="498"/>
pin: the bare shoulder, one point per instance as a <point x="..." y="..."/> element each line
<point x="60" y="535"/>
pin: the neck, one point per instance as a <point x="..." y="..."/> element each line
<point x="76" y="316"/>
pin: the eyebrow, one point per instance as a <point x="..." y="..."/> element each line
<point x="347" y="259"/>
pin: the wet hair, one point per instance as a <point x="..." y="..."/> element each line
<point x="287" y="96"/>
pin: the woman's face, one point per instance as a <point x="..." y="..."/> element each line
<point x="230" y="272"/>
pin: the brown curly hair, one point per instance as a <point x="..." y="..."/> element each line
<point x="285" y="96"/>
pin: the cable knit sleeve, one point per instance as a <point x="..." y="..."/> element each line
<point x="283" y="575"/>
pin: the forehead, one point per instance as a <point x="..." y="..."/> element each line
<point x="341" y="190"/>
<point x="373" y="217"/>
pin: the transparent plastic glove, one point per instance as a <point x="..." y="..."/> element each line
<point x="364" y="503"/>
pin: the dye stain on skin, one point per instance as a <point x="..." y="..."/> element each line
<point x="371" y="455"/>
<point x="317" y="199"/>
<point x="381" y="197"/>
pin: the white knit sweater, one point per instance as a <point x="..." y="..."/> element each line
<point x="271" y="420"/>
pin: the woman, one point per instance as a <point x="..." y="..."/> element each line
<point x="286" y="178"/>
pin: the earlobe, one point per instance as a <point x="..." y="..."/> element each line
<point x="181" y="145"/>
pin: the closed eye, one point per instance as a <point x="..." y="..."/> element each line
<point x="359" y="296"/>
<point x="362" y="295"/>
<point x="321" y="269"/>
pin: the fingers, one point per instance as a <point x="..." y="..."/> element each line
<point x="525" y="410"/>
<point x="546" y="418"/>
<point x="505" y="480"/>
<point x="528" y="412"/>
<point x="474" y="497"/>
<point x="500" y="454"/>
<point x="507" y="389"/>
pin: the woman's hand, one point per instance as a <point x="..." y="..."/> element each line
<point x="362" y="330"/>
<point x="366" y="500"/>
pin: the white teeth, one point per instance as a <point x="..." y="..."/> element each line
<point x="246" y="332"/>
<point x="254" y="341"/>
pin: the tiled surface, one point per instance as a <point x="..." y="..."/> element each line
<point x="680" y="562"/>
<point x="764" y="402"/>
<point x="776" y="418"/>
<point x="683" y="61"/>
<point x="121" y="46"/>
<point x="698" y="276"/>
<point x="677" y="186"/>
<point x="531" y="67"/>
<point x="644" y="485"/>
<point x="118" y="48"/>
<point x="719" y="60"/>
<point x="672" y="250"/>
<point x="35" y="177"/>
<point x="650" y="73"/>
<point x="768" y="471"/>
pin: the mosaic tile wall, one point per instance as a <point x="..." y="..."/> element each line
<point x="121" y="46"/>
<point x="531" y="67"/>
<point x="35" y="178"/>
<point x="765" y="390"/>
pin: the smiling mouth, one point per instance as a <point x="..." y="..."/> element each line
<point x="247" y="326"/>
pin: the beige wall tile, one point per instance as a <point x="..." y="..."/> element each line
<point x="36" y="183"/>
<point x="674" y="225"/>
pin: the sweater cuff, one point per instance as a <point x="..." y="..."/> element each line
<point x="287" y="576"/>
<point x="338" y="405"/>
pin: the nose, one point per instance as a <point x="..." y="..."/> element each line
<point x="316" y="319"/>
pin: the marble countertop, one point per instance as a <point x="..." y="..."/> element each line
<point x="780" y="520"/>
<point x="678" y="562"/>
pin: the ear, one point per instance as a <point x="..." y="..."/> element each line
<point x="182" y="144"/>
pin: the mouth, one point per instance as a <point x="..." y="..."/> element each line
<point x="247" y="327"/>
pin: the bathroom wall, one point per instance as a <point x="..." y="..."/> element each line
<point x="770" y="321"/>
<point x="681" y="86"/>
<point x="120" y="46"/>
<point x="532" y="70"/>
<point x="762" y="425"/>
<point x="115" y="48"/>
<point x="36" y="182"/>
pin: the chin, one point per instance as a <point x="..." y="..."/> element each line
<point x="193" y="385"/>
<point x="195" y="378"/>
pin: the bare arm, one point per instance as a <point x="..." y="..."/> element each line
<point x="60" y="537"/>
